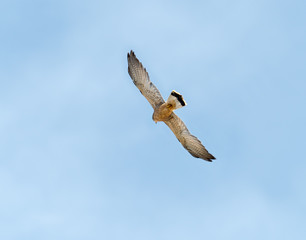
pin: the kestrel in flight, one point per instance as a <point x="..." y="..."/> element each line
<point x="163" y="111"/>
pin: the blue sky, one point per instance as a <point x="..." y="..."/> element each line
<point x="81" y="158"/>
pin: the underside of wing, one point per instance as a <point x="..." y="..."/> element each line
<point x="142" y="81"/>
<point x="189" y="142"/>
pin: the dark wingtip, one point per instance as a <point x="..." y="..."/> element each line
<point x="131" y="53"/>
<point x="211" y="157"/>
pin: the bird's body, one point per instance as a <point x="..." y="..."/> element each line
<point x="163" y="111"/>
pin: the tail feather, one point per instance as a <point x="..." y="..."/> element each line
<point x="176" y="100"/>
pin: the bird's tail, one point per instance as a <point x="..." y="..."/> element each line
<point x="176" y="100"/>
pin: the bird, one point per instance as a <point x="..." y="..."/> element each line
<point x="164" y="110"/>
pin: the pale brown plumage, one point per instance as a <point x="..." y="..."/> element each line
<point x="164" y="111"/>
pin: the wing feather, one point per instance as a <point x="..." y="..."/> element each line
<point x="142" y="81"/>
<point x="189" y="142"/>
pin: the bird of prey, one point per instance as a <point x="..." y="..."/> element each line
<point x="163" y="111"/>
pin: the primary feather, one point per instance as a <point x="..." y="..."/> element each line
<point x="189" y="142"/>
<point x="142" y="81"/>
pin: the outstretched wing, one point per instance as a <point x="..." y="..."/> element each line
<point x="189" y="142"/>
<point x="141" y="79"/>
